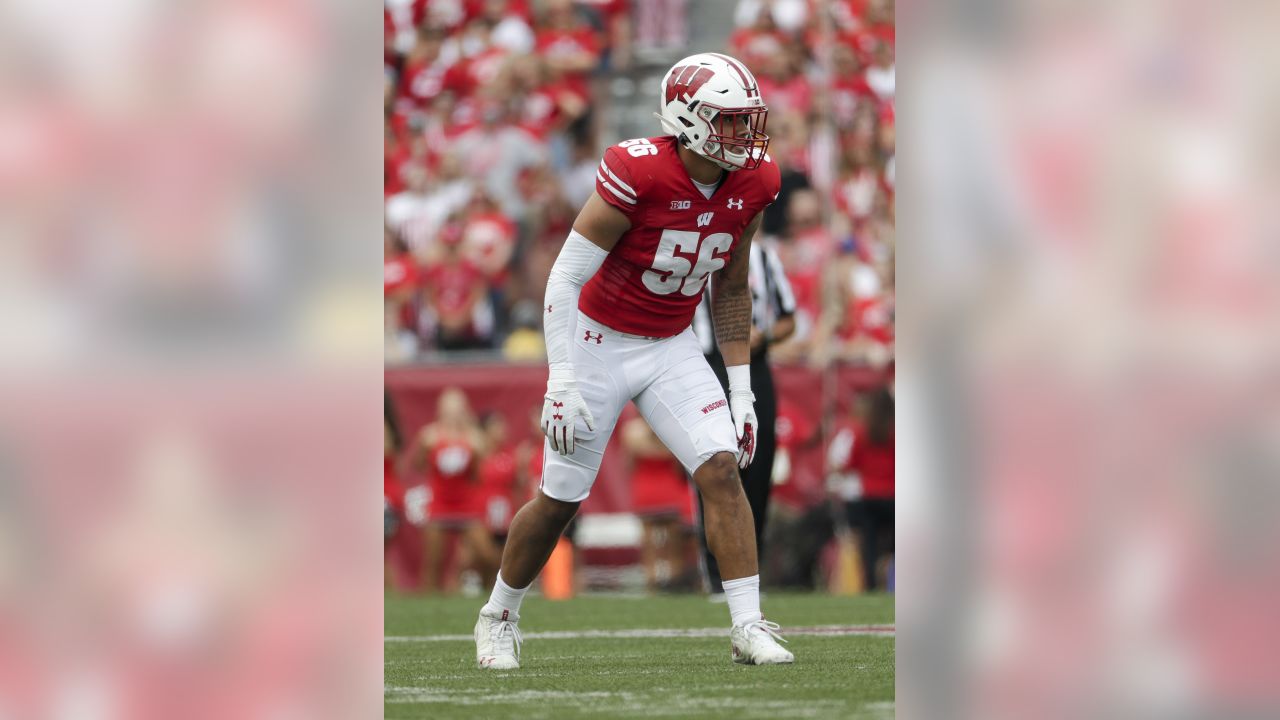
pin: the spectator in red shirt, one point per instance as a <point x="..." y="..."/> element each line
<point x="399" y="289"/>
<point x="806" y="247"/>
<point x="423" y="77"/>
<point x="861" y="458"/>
<point x="568" y="44"/>
<point x="544" y="106"/>
<point x="859" y="186"/>
<point x="455" y="295"/>
<point x="758" y="42"/>
<point x="849" y="88"/>
<point x="782" y="81"/>
<point x="475" y="61"/>
<point x="859" y="324"/>
<point x="488" y="238"/>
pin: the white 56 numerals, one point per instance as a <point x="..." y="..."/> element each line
<point x="639" y="147"/>
<point x="671" y="272"/>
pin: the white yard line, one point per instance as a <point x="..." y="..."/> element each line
<point x="651" y="702"/>
<point x="817" y="630"/>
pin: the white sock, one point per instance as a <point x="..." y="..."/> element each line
<point x="504" y="598"/>
<point x="743" y="595"/>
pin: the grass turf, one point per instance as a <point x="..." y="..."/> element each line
<point x="834" y="676"/>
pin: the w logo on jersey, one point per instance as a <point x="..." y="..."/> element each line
<point x="705" y="219"/>
<point x="685" y="80"/>
<point x="735" y="204"/>
<point x="598" y="337"/>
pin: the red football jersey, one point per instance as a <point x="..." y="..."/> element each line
<point x="652" y="280"/>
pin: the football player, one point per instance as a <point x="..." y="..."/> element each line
<point x="670" y="216"/>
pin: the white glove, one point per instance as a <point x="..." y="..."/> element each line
<point x="742" y="408"/>
<point x="560" y="407"/>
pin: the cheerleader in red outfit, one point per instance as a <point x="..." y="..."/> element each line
<point x="449" y="450"/>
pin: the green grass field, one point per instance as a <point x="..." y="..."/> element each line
<point x="430" y="661"/>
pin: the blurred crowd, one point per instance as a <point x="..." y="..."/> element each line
<point x="496" y="116"/>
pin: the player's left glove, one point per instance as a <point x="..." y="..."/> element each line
<point x="742" y="408"/>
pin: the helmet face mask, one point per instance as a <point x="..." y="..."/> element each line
<point x="712" y="104"/>
<point x="737" y="137"/>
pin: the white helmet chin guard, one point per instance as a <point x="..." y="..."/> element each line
<point x="712" y="104"/>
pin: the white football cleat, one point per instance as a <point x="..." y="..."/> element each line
<point x="757" y="644"/>
<point x="497" y="642"/>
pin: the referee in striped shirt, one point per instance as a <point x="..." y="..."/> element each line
<point x="773" y="309"/>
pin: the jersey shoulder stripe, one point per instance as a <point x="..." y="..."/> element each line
<point x="617" y="181"/>
<point x="617" y="193"/>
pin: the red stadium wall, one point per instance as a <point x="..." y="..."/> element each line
<point x="805" y="395"/>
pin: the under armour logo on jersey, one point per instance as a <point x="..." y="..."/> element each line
<point x="598" y="337"/>
<point x="735" y="204"/>
<point x="705" y="219"/>
<point x="681" y="204"/>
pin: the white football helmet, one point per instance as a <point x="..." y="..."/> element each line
<point x="712" y="104"/>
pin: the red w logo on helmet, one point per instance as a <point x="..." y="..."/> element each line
<point x="685" y="80"/>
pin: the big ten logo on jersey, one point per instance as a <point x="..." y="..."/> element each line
<point x="639" y="147"/>
<point x="672" y="271"/>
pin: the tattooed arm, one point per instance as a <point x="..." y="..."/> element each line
<point x="731" y="311"/>
<point x="731" y="302"/>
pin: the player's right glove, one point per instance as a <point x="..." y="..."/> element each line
<point x="561" y="406"/>
<point x="742" y="408"/>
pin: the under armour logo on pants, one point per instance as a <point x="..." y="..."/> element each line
<point x="598" y="337"/>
